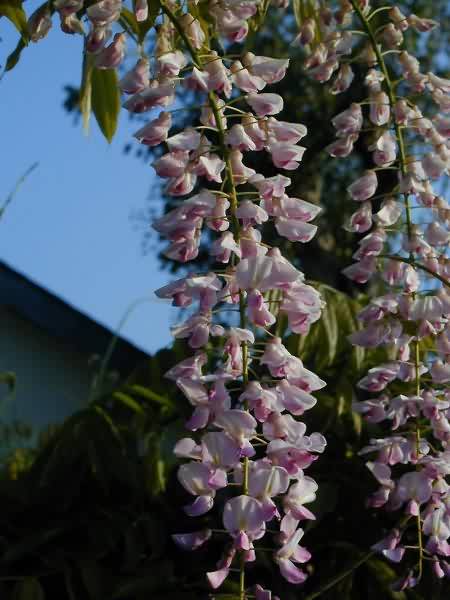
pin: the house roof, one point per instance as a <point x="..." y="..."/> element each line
<point x="60" y="319"/>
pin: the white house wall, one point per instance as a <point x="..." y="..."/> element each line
<point x="52" y="379"/>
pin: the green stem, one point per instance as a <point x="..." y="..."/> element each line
<point x="96" y="385"/>
<point x="417" y="265"/>
<point x="340" y="577"/>
<point x="378" y="10"/>
<point x="180" y="30"/>
<point x="236" y="228"/>
<point x="409" y="225"/>
<point x="20" y="181"/>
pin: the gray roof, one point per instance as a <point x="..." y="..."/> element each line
<point x="63" y="321"/>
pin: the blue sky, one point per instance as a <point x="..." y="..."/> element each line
<point x="69" y="225"/>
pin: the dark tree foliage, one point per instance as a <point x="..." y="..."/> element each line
<point x="320" y="179"/>
<point x="88" y="514"/>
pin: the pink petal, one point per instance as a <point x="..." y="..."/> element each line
<point x="290" y="572"/>
<point x="199" y="419"/>
<point x="301" y="555"/>
<point x="191" y="541"/>
<point x="216" y="578"/>
<point x="200" y="506"/>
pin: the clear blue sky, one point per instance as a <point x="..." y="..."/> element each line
<point x="69" y="226"/>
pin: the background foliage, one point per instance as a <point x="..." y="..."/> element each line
<point x="87" y="515"/>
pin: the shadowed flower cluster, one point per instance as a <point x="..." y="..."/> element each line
<point x="405" y="248"/>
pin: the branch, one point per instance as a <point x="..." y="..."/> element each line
<point x="12" y="194"/>
<point x="417" y="265"/>
<point x="341" y="576"/>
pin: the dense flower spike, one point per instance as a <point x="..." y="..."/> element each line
<point x="237" y="413"/>
<point x="238" y="423"/>
<point x="246" y="388"/>
<point x="411" y="319"/>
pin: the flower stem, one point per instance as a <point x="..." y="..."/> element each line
<point x="236" y="228"/>
<point x="409" y="225"/>
<point x="417" y="265"/>
<point x="340" y="577"/>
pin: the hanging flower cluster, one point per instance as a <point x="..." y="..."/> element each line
<point x="247" y="392"/>
<point x="405" y="245"/>
<point x="246" y="389"/>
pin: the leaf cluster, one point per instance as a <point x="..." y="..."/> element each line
<point x="88" y="515"/>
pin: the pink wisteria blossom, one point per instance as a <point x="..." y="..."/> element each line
<point x="405" y="253"/>
<point x="244" y="439"/>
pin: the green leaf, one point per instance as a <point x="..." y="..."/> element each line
<point x="325" y="502"/>
<point x="157" y="479"/>
<point x="128" y="21"/>
<point x="357" y="423"/>
<point x="128" y="401"/>
<point x="329" y="324"/>
<point x="149" y="394"/>
<point x="131" y="587"/>
<point x="12" y="10"/>
<point x="86" y="90"/>
<point x="9" y="379"/>
<point x="30" y="544"/>
<point x="68" y="579"/>
<point x="153" y="11"/>
<point x="160" y="458"/>
<point x="343" y="392"/>
<point x="94" y="579"/>
<point x="384" y="575"/>
<point x="100" y="411"/>
<point x="105" y="97"/>
<point x="28" y="589"/>
<point x="14" y="57"/>
<point x="297" y="12"/>
<point x="358" y="352"/>
<point x="326" y="343"/>
<point x="159" y="580"/>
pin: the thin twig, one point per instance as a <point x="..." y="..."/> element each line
<point x="341" y="576"/>
<point x="12" y="194"/>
